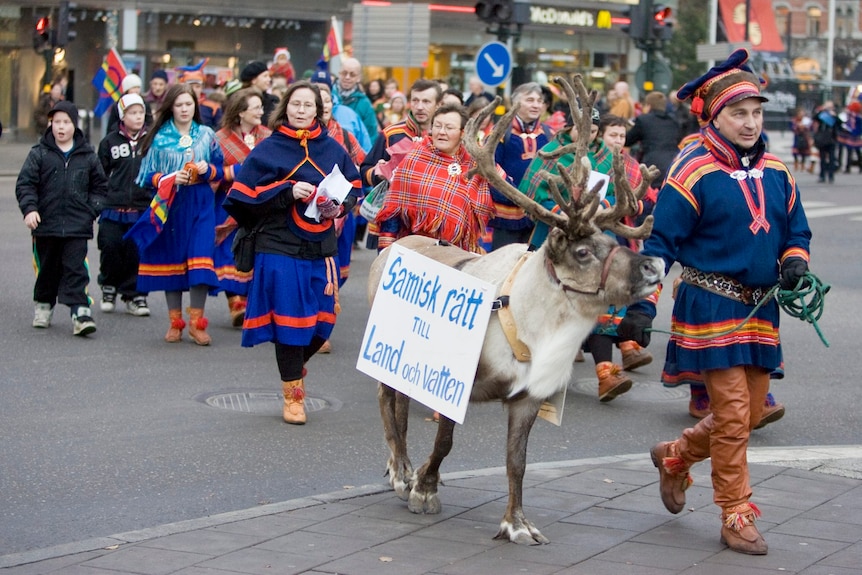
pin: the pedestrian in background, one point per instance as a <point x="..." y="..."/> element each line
<point x="292" y="298"/>
<point x="801" y="126"/>
<point x="46" y="104"/>
<point x="731" y="214"/>
<point x="348" y="92"/>
<point x="256" y="75"/>
<point x="176" y="235"/>
<point x="657" y="133"/>
<point x="120" y="155"/>
<point x="60" y="190"/>
<point x="158" y="88"/>
<point x="242" y="130"/>
<point x="825" y="128"/>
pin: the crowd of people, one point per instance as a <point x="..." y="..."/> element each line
<point x="183" y="176"/>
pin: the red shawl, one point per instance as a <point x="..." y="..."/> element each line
<point x="347" y="140"/>
<point x="431" y="195"/>
<point x="235" y="149"/>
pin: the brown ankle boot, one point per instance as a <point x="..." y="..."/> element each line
<point x="175" y="332"/>
<point x="739" y="532"/>
<point x="198" y="326"/>
<point x="236" y="304"/>
<point x="674" y="477"/>
<point x="294" y="401"/>
<point x="634" y="356"/>
<point x="612" y="382"/>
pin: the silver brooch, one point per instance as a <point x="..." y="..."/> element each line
<point x="248" y="139"/>
<point x="454" y="169"/>
<point x="186" y="141"/>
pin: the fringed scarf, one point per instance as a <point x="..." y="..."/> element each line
<point x="165" y="155"/>
<point x="432" y="196"/>
<point x="235" y="149"/>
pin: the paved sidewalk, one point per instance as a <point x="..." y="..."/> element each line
<point x="602" y="515"/>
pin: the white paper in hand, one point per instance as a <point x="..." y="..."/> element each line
<point x="334" y="186"/>
<point x="595" y="178"/>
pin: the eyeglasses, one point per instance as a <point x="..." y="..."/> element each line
<point x="295" y="104"/>
<point x="446" y="128"/>
<point x="348" y="74"/>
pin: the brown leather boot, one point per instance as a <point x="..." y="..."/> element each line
<point x="294" y="402"/>
<point x="175" y="332"/>
<point x="772" y="412"/>
<point x="674" y="477"/>
<point x="739" y="532"/>
<point x="634" y="356"/>
<point x="198" y="326"/>
<point x="236" y="304"/>
<point x="612" y="382"/>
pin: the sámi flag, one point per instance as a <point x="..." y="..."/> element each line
<point x="107" y="81"/>
<point x="332" y="46"/>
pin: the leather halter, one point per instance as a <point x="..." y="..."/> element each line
<point x="606" y="270"/>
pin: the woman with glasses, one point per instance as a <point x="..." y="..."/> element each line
<point x="430" y="193"/>
<point x="292" y="298"/>
<point x="241" y="130"/>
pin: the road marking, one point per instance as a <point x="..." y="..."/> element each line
<point x="836" y="211"/>
<point x="812" y="204"/>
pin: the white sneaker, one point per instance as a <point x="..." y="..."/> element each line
<point x="44" y="312"/>
<point x="109" y="299"/>
<point x="82" y="322"/>
<point x="138" y="306"/>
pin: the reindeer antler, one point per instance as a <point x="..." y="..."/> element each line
<point x="581" y="207"/>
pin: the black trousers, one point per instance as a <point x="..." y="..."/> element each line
<point x="61" y="271"/>
<point x="504" y="237"/>
<point x="118" y="259"/>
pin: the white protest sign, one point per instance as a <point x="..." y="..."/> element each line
<point x="598" y="177"/>
<point x="425" y="331"/>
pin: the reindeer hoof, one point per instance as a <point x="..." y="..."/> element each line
<point x="401" y="478"/>
<point x="524" y="534"/>
<point x="428" y="503"/>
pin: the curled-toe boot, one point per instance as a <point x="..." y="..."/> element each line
<point x="739" y="532"/>
<point x="294" y="401"/>
<point x="674" y="477"/>
<point x="612" y="381"/>
<point x="175" y="332"/>
<point x="237" y="305"/>
<point x="198" y="326"/>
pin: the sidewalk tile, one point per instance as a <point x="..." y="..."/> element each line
<point x="204" y="541"/>
<point x="326" y="547"/>
<point x="490" y="563"/>
<point x="262" y="562"/>
<point x="651" y="555"/>
<point x="850" y="557"/>
<point x="365" y="528"/>
<point x="146" y="561"/>
<point x="617" y="519"/>
<point x="804" y="527"/>
<point x="602" y="567"/>
<point x="786" y="552"/>
<point x="465" y="530"/>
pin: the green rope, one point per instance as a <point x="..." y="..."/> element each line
<point x="793" y="302"/>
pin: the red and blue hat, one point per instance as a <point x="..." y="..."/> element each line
<point x="727" y="83"/>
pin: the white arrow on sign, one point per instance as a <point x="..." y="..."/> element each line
<point x="498" y="68"/>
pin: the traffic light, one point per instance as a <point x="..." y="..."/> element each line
<point x="495" y="11"/>
<point x="662" y="27"/>
<point x="637" y="26"/>
<point x="65" y="24"/>
<point x="42" y="34"/>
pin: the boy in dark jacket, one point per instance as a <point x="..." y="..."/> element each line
<point x="60" y="190"/>
<point x="120" y="157"/>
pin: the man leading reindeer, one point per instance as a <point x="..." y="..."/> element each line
<point x="730" y="213"/>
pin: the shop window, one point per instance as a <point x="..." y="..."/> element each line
<point x="812" y="24"/>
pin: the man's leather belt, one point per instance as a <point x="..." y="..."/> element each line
<point x="724" y="286"/>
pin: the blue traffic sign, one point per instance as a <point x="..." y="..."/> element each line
<point x="493" y="63"/>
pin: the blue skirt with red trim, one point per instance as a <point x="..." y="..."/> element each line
<point x="229" y="279"/>
<point x="290" y="300"/>
<point x="698" y="312"/>
<point x="181" y="255"/>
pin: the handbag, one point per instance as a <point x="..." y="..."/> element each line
<point x="374" y="200"/>
<point x="243" y="248"/>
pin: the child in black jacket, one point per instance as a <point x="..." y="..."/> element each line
<point x="60" y="191"/>
<point x="120" y="157"/>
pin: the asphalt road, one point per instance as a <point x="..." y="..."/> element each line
<point x="112" y="433"/>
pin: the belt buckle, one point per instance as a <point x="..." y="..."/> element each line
<point x="752" y="296"/>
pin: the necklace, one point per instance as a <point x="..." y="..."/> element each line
<point x="248" y="139"/>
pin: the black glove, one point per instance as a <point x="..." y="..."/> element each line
<point x="634" y="326"/>
<point x="792" y="270"/>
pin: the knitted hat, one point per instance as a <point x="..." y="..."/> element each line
<point x="321" y="77"/>
<point x="161" y="74"/>
<point x="252" y="70"/>
<point x="67" y="107"/>
<point x="232" y="86"/>
<point x="281" y="52"/>
<point x="129" y="82"/>
<point x="127" y="102"/>
<point x="727" y="83"/>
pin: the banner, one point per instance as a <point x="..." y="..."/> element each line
<point x="108" y="80"/>
<point x="426" y="330"/>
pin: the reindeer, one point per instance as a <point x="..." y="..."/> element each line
<point x="553" y="297"/>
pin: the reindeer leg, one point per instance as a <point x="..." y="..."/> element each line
<point x="394" y="409"/>
<point x="423" y="496"/>
<point x="515" y="526"/>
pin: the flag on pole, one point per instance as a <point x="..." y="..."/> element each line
<point x="107" y="81"/>
<point x="332" y="46"/>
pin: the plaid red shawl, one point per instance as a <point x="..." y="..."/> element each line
<point x="432" y="200"/>
<point x="235" y="150"/>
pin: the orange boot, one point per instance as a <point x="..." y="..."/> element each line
<point x="612" y="382"/>
<point x="236" y="304"/>
<point x="175" y="332"/>
<point x="294" y="402"/>
<point x="198" y="326"/>
<point x="634" y="356"/>
<point x="739" y="532"/>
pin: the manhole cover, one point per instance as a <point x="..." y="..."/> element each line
<point x="261" y="401"/>
<point x="650" y="391"/>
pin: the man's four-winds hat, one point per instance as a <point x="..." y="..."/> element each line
<point x="726" y="83"/>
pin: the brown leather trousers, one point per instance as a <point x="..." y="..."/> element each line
<point x="736" y="398"/>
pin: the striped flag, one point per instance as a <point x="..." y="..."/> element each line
<point x="332" y="47"/>
<point x="107" y="81"/>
